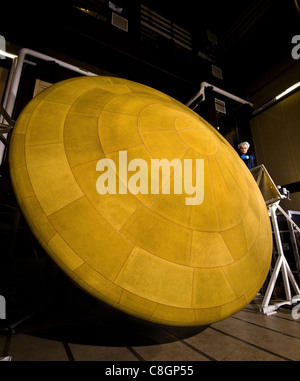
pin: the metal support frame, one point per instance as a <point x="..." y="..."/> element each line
<point x="293" y="230"/>
<point x="281" y="264"/>
<point x="5" y="128"/>
<point x="272" y="196"/>
<point x="14" y="81"/>
<point x="201" y="94"/>
<point x="7" y="123"/>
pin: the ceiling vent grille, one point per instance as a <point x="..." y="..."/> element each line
<point x="182" y="37"/>
<point x="220" y="106"/>
<point x="154" y="24"/>
<point x="216" y="72"/>
<point x="119" y="22"/>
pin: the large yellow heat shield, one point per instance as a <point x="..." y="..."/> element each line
<point x="162" y="256"/>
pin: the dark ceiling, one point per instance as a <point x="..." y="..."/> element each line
<point x="253" y="40"/>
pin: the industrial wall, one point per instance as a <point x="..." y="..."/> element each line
<point x="276" y="137"/>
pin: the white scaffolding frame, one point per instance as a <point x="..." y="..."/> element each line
<point x="281" y="264"/>
<point x="15" y="77"/>
<point x="268" y="190"/>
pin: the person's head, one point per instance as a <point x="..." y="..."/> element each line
<point x="243" y="147"/>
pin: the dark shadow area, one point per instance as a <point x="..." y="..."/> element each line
<point x="103" y="326"/>
<point x="42" y="301"/>
<point x="63" y="312"/>
<point x="73" y="316"/>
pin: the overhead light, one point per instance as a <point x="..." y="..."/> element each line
<point x="275" y="99"/>
<point x="287" y="91"/>
<point x="5" y="54"/>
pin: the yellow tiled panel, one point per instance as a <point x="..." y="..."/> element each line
<point x="22" y="122"/>
<point x="229" y="162"/>
<point x="153" y="118"/>
<point x="200" y="140"/>
<point x="96" y="284"/>
<point x="131" y="302"/>
<point x="118" y="131"/>
<point x="206" y="316"/>
<point x="205" y="217"/>
<point x="81" y="139"/>
<point x="91" y="237"/>
<point x="174" y="264"/>
<point x="130" y="104"/>
<point x="211" y="288"/>
<point x="184" y="121"/>
<point x="64" y="252"/>
<point x="233" y="307"/>
<point x="31" y="106"/>
<point x="261" y="204"/>
<point x="106" y="83"/>
<point x="38" y="219"/>
<point x="256" y="201"/>
<point x="156" y="279"/>
<point x="251" y="222"/>
<point x="23" y="181"/>
<point x="252" y="292"/>
<point x="243" y="273"/>
<point x="158" y="116"/>
<point x="173" y="206"/>
<point x="183" y="108"/>
<point x="140" y="88"/>
<point x="158" y="236"/>
<point x="236" y="241"/>
<point x="47" y="124"/>
<point x="265" y="220"/>
<point x="164" y="144"/>
<point x="91" y="102"/>
<point x="116" y="88"/>
<point x="236" y="162"/>
<point x="139" y="152"/>
<point x="175" y="316"/>
<point x="209" y="250"/>
<point x="62" y="265"/>
<point x="240" y="197"/>
<point x="17" y="157"/>
<point x="228" y="213"/>
<point x="187" y="110"/>
<point x="51" y="177"/>
<point x="254" y="289"/>
<point x="115" y="208"/>
<point x="68" y="91"/>
<point x="263" y="245"/>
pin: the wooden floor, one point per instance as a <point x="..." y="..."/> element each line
<point x="247" y="336"/>
<point x="66" y="325"/>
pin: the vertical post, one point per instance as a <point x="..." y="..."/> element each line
<point x="287" y="288"/>
<point x="2" y="46"/>
<point x="281" y="263"/>
<point x="272" y="282"/>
